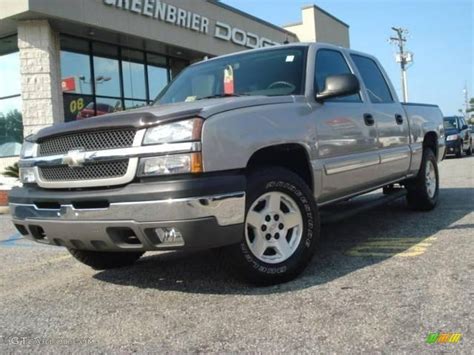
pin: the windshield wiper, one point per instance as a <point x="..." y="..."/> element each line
<point x="216" y="96"/>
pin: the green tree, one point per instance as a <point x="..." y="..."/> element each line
<point x="11" y="127"/>
<point x="12" y="171"/>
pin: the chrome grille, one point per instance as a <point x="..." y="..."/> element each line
<point x="93" y="171"/>
<point x="94" y="140"/>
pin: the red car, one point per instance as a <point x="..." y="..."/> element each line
<point x="89" y="110"/>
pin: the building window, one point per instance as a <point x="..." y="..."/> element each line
<point x="76" y="73"/>
<point x="99" y="78"/>
<point x="11" y="125"/>
<point x="176" y="66"/>
<point x="133" y="69"/>
<point x="158" y="74"/>
<point x="106" y="70"/>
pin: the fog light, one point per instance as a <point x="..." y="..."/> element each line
<point x="170" y="236"/>
<point x="27" y="175"/>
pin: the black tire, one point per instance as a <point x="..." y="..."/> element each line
<point x="459" y="152"/>
<point x="418" y="197"/>
<point x="469" y="150"/>
<point x="253" y="269"/>
<point x="99" y="260"/>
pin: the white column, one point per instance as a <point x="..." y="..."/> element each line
<point x="42" y="101"/>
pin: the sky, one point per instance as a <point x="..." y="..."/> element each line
<point x="441" y="36"/>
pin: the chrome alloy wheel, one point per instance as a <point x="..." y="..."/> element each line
<point x="273" y="227"/>
<point x="430" y="179"/>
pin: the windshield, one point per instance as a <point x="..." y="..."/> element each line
<point x="450" y="122"/>
<point x="271" y="72"/>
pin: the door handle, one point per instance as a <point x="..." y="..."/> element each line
<point x="399" y="118"/>
<point x="369" y="119"/>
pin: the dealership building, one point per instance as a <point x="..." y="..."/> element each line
<point x="63" y="60"/>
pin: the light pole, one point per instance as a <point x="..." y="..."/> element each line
<point x="466" y="101"/>
<point x="403" y="57"/>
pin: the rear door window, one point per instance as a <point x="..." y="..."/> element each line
<point x="374" y="80"/>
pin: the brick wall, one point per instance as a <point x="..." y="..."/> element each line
<point x="40" y="75"/>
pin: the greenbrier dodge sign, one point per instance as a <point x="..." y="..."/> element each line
<point x="164" y="12"/>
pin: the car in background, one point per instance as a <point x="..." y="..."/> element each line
<point x="458" y="136"/>
<point x="89" y="110"/>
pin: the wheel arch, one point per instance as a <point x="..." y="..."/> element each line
<point x="292" y="156"/>
<point x="430" y="140"/>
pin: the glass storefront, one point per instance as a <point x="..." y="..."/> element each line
<point x="96" y="79"/>
<point x="99" y="78"/>
<point x="11" y="126"/>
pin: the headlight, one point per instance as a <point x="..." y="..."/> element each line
<point x="180" y="131"/>
<point x="452" y="137"/>
<point x="27" y="175"/>
<point x="28" y="149"/>
<point x="170" y="164"/>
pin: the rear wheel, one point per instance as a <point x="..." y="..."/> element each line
<point x="99" y="260"/>
<point x="469" y="150"/>
<point x="424" y="189"/>
<point x="281" y="228"/>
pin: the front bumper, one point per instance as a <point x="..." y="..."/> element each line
<point x="194" y="213"/>
<point x="453" y="146"/>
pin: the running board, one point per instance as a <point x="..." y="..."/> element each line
<point x="331" y="214"/>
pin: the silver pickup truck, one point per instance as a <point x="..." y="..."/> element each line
<point x="238" y="152"/>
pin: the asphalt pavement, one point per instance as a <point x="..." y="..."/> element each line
<point x="381" y="282"/>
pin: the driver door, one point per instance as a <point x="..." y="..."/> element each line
<point x="346" y="132"/>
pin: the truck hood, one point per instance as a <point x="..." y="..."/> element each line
<point x="153" y="115"/>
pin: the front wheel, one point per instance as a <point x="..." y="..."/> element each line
<point x="422" y="192"/>
<point x="281" y="228"/>
<point x="469" y="150"/>
<point x="459" y="152"/>
<point x="99" y="260"/>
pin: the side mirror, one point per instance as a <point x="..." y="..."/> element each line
<point x="464" y="127"/>
<point x="339" y="85"/>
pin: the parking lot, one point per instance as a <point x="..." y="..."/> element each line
<point x="381" y="281"/>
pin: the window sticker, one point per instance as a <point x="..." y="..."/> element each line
<point x="229" y="80"/>
<point x="190" y="99"/>
<point x="290" y="58"/>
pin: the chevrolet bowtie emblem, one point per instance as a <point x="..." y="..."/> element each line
<point x="74" y="158"/>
